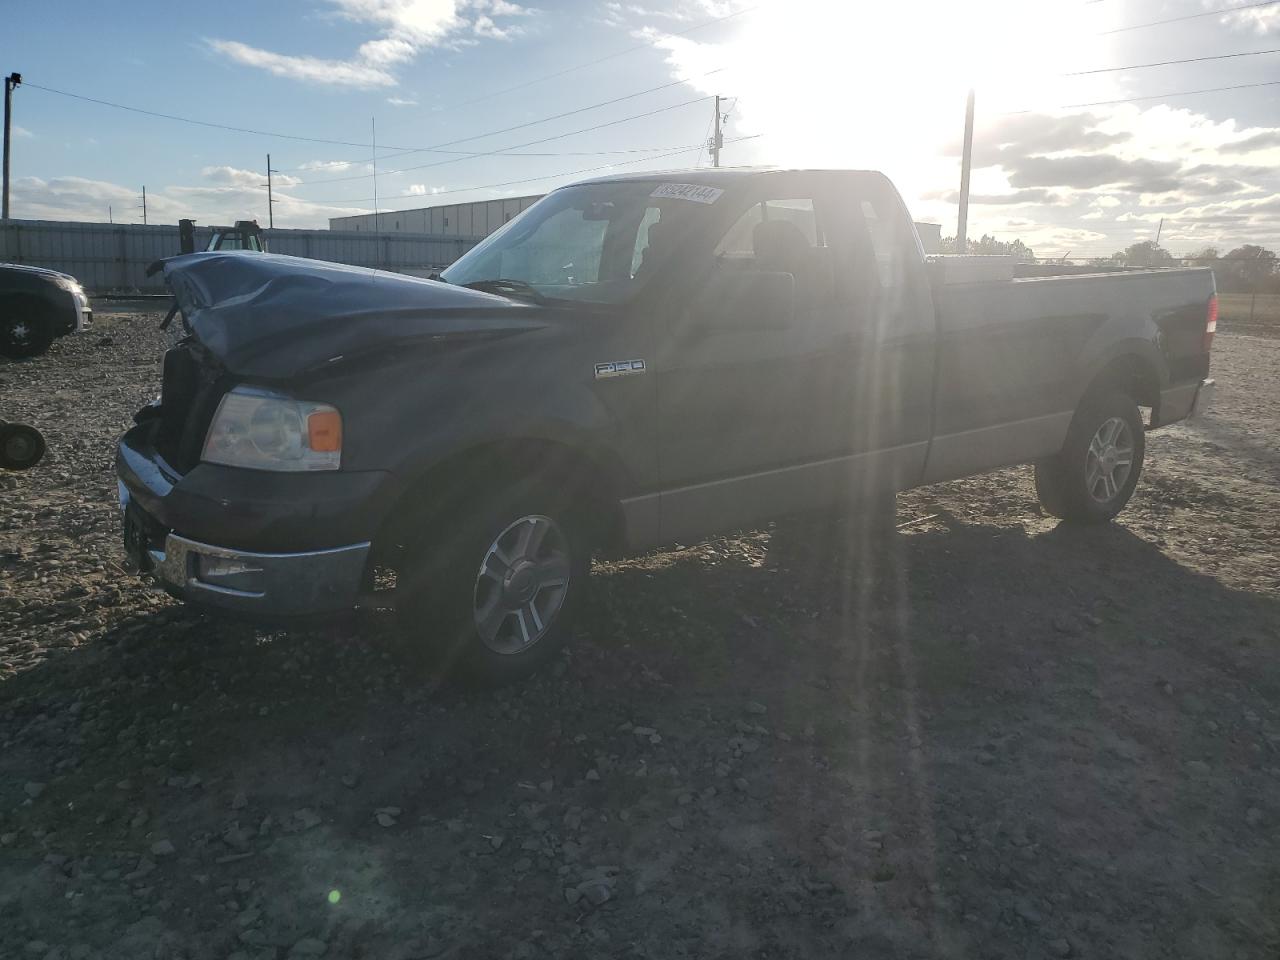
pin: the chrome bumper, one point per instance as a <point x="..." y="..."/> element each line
<point x="263" y="584"/>
<point x="273" y="584"/>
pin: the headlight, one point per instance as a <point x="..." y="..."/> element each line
<point x="264" y="431"/>
<point x="74" y="288"/>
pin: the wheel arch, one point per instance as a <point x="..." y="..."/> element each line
<point x="589" y="477"/>
<point x="42" y="313"/>
<point x="43" y="305"/>
<point x="1133" y="372"/>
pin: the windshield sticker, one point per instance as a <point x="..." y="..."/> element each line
<point x="687" y="191"/>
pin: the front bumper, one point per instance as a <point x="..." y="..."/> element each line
<point x="249" y="542"/>
<point x="248" y="582"/>
<point x="81" y="317"/>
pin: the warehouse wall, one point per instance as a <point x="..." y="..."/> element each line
<point x="456" y="219"/>
<point x="114" y="257"/>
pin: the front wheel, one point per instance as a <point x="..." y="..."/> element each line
<point x="23" y="332"/>
<point x="1092" y="478"/>
<point x="492" y="591"/>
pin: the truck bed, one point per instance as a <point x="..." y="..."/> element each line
<point x="1020" y="352"/>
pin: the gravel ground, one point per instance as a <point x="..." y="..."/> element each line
<point x="987" y="735"/>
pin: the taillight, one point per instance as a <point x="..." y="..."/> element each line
<point x="1210" y="323"/>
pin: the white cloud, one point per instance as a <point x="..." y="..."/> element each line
<point x="235" y="177"/>
<point x="407" y="28"/>
<point x="347" y="73"/>
<point x="485" y="27"/>
<point x="21" y="132"/>
<point x="401" y="102"/>
<point x="871" y="89"/>
<point x="229" y="198"/>
<point x="333" y="166"/>
<point x="1261" y="20"/>
<point x="501" y="8"/>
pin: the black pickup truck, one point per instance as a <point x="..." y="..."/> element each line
<point x="633" y="361"/>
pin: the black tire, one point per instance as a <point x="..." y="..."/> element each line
<point x="441" y="584"/>
<point x="21" y="446"/>
<point x="1071" y="484"/>
<point x="25" y="329"/>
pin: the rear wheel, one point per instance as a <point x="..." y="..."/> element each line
<point x="25" y="330"/>
<point x="490" y="592"/>
<point x="1092" y="478"/>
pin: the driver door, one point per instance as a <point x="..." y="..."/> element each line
<point x="740" y="392"/>
<point x="821" y="401"/>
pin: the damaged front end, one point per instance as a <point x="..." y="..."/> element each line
<point x="237" y="487"/>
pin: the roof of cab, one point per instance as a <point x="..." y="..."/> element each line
<point x="713" y="176"/>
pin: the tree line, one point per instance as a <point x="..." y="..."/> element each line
<point x="1248" y="268"/>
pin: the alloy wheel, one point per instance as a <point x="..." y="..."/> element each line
<point x="521" y="585"/>
<point x="1109" y="460"/>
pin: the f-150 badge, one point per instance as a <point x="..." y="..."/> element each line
<point x="619" y="368"/>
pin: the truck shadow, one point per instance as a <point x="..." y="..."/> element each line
<point x="874" y="729"/>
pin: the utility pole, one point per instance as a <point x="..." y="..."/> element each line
<point x="110" y="219"/>
<point x="373" y="153"/>
<point x="1159" y="230"/>
<point x="373" y="134"/>
<point x="144" y="205"/>
<point x="966" y="162"/>
<point x="10" y="82"/>
<point x="271" y="204"/>
<point x="717" y="138"/>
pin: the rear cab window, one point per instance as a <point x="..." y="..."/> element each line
<point x="847" y="240"/>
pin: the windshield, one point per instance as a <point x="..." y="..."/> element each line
<point x="595" y="243"/>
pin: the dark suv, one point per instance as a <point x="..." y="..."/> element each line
<point x="37" y="305"/>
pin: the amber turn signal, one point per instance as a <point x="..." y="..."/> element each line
<point x="324" y="431"/>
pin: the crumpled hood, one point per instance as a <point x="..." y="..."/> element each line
<point x="273" y="317"/>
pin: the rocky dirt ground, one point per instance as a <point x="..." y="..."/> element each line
<point x="986" y="736"/>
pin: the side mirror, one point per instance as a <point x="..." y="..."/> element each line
<point x="744" y="300"/>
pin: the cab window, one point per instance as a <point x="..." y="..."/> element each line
<point x="784" y="235"/>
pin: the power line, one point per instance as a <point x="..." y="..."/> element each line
<point x="599" y="60"/>
<point x="1158" y="96"/>
<point x="1165" y="96"/>
<point x="400" y="151"/>
<point x="1168" y="63"/>
<point x="1191" y="16"/>
<point x="511" y="183"/>
<point x="405" y="151"/>
<point x="198" y="123"/>
<point x="504" y="183"/>
<point x="558" y="136"/>
<point x="488" y="153"/>
<point x="706" y="139"/>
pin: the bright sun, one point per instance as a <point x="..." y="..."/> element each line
<point x="882" y="85"/>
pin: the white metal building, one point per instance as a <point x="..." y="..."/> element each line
<point x="477" y="219"/>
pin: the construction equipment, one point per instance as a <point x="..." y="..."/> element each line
<point x="245" y="235"/>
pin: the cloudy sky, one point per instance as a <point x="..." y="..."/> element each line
<point x="475" y="99"/>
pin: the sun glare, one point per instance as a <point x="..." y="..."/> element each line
<point x="882" y="85"/>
